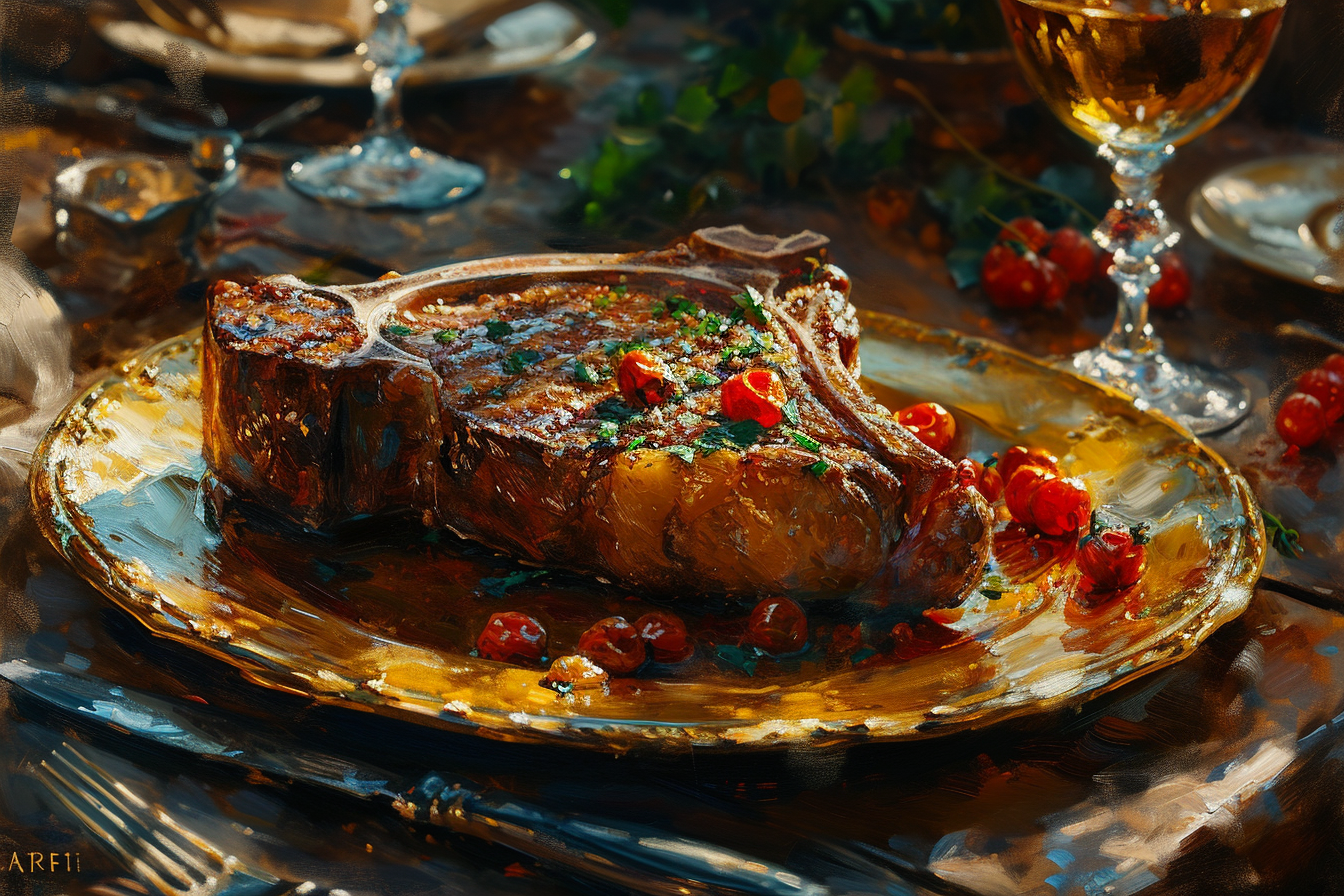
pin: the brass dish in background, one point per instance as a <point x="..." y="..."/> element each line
<point x="117" y="489"/>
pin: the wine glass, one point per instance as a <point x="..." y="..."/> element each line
<point x="385" y="169"/>
<point x="1140" y="77"/>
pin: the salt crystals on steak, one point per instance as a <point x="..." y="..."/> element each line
<point x="498" y="415"/>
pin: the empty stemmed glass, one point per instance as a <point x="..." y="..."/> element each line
<point x="385" y="169"/>
<point x="1140" y="77"/>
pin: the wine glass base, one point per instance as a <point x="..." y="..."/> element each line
<point x="1199" y="398"/>
<point x="385" y="172"/>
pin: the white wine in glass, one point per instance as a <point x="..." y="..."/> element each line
<point x="1140" y="77"/>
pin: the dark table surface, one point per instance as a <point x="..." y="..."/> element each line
<point x="1215" y="775"/>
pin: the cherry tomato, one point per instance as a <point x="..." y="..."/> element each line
<point x="613" y="644"/>
<point x="1075" y="253"/>
<point x="664" y="635"/>
<point x="1022" y="456"/>
<point x="931" y="423"/>
<point x="512" y="637"/>
<point x="1334" y="363"/>
<point x="777" y="626"/>
<point x="1301" y="420"/>
<point x="644" y="380"/>
<point x="1015" y="281"/>
<point x="1028" y="231"/>
<point x="1060" y="506"/>
<point x="1172" y="289"/>
<point x="1327" y="387"/>
<point x="991" y="484"/>
<point x="1020" y="488"/>
<point x="754" y="395"/>
<point x="1112" y="559"/>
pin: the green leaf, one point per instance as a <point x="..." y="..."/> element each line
<point x="750" y="301"/>
<point x="607" y="430"/>
<point x="616" y="346"/>
<point x="1284" y="540"/>
<point x="964" y="266"/>
<point x="617" y="411"/>
<point x="790" y="411"/>
<point x="497" y="328"/>
<point x="695" y="106"/>
<point x="681" y="307"/>
<point x="584" y="374"/>
<point x="398" y="330"/>
<point x="732" y="80"/>
<point x="619" y="290"/>
<point x="736" y="657"/>
<point x="741" y="434"/>
<point x="844" y="123"/>
<point x="818" y="468"/>
<point x="445" y="336"/>
<point x="635" y="443"/>
<point x="497" y="586"/>
<point x="804" y="440"/>
<point x="894" y="147"/>
<point x="860" y="86"/>
<point x="754" y="346"/>
<point x="517" y="362"/>
<point x="702" y="378"/>
<point x="685" y="452"/>
<point x="804" y="58"/>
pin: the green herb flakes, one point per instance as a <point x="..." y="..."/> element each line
<point x="703" y="378"/>
<point x="685" y="452"/>
<point x="517" y="362"/>
<point x="818" y="468"/>
<point x="443" y="337"/>
<point x="584" y="374"/>
<point x="755" y="345"/>
<point x="607" y="430"/>
<point x="635" y="443"/>
<point x="790" y="412"/>
<point x="804" y="440"/>
<point x="616" y="347"/>
<point x="398" y="330"/>
<point x="750" y="304"/>
<point x="742" y="434"/>
<point x="496" y="329"/>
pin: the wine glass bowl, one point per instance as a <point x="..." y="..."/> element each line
<point x="1140" y="77"/>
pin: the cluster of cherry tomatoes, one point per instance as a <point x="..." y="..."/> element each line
<point x="1030" y="266"/>
<point x="1316" y="404"/>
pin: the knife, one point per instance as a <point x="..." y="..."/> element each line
<point x="633" y="857"/>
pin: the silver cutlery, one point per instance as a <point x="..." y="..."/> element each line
<point x="158" y="849"/>
<point x="633" y="857"/>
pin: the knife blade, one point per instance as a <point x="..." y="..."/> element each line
<point x="634" y="857"/>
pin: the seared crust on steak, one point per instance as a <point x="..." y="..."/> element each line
<point x="491" y="408"/>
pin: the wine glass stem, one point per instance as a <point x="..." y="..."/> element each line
<point x="1136" y="229"/>
<point x="390" y="49"/>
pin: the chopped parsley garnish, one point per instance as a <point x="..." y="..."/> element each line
<point x="497" y="328"/>
<point x="620" y="290"/>
<point x="517" y="362"/>
<point x="702" y="378"/>
<point x="398" y="330"/>
<point x="818" y="468"/>
<point x="709" y="325"/>
<point x="995" y="586"/>
<point x="445" y="336"/>
<point x="790" y="412"/>
<point x="607" y="430"/>
<point x="602" y="302"/>
<point x="635" y="443"/>
<point x="749" y="304"/>
<point x="681" y="307"/>
<point x="742" y="434"/>
<point x="617" y="347"/>
<point x="755" y="345"/>
<point x="685" y="452"/>
<point x="804" y="440"/>
<point x="584" y="374"/>
<point x="616" y="410"/>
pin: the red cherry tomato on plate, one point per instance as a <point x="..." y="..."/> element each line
<point x="1334" y="363"/>
<point x="777" y="626"/>
<point x="512" y="637"/>
<point x="1022" y="456"/>
<point x="1060" y="506"/>
<point x="1301" y="420"/>
<point x="1015" y="281"/>
<point x="1112" y="560"/>
<point x="1020" y="488"/>
<point x="1026" y="230"/>
<point x="754" y="395"/>
<point x="613" y="644"/>
<point x="931" y="423"/>
<point x="665" y="636"/>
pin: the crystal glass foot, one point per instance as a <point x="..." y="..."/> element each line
<point x="1202" y="399"/>
<point x="385" y="169"/>
<point x="385" y="172"/>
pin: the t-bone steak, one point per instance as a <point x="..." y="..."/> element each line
<point x="484" y="398"/>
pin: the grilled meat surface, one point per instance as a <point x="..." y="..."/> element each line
<point x="494" y="410"/>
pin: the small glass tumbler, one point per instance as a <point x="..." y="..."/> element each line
<point x="124" y="217"/>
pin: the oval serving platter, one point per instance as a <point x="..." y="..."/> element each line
<point x="388" y="626"/>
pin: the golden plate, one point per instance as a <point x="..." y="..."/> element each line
<point x="117" y="488"/>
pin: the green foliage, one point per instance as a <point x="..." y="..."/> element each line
<point x="956" y="25"/>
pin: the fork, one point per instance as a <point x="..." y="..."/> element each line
<point x="159" y="850"/>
